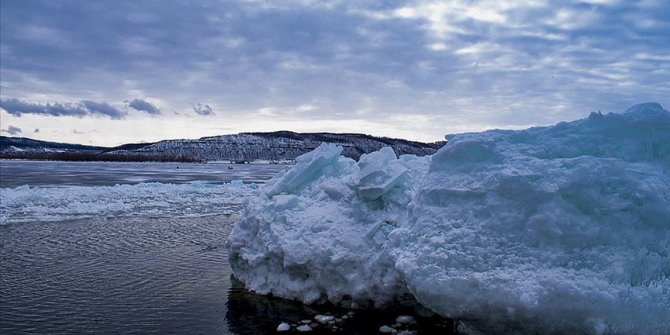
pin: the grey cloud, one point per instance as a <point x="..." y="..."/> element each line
<point x="17" y="107"/>
<point x="102" y="108"/>
<point x="201" y="109"/>
<point x="12" y="130"/>
<point x="144" y="106"/>
<point x="83" y="108"/>
<point x="354" y="59"/>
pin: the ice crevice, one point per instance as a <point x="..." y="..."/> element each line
<point x="550" y="229"/>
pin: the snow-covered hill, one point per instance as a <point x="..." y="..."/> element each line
<point x="275" y="146"/>
<point x="23" y="144"/>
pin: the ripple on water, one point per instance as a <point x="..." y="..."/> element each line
<point x="102" y="276"/>
<point x="147" y="276"/>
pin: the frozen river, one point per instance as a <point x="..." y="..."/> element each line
<point x="121" y="247"/>
<point x="113" y="248"/>
<point x="51" y="173"/>
<point x="56" y="191"/>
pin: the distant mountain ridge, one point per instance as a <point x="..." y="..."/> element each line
<point x="271" y="146"/>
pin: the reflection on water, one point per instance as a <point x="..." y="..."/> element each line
<point x="146" y="276"/>
<point x="249" y="313"/>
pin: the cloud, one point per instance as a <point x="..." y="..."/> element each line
<point x="81" y="109"/>
<point x="102" y="108"/>
<point x="12" y="130"/>
<point x="144" y="106"/>
<point x="462" y="64"/>
<point x="201" y="109"/>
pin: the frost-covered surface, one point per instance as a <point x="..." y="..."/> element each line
<point x="24" y="203"/>
<point x="547" y="230"/>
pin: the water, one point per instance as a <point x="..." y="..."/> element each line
<point x="142" y="276"/>
<point x="116" y="248"/>
<point x="81" y="254"/>
<point x="15" y="173"/>
<point x="57" y="191"/>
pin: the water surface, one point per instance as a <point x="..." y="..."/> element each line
<point x="135" y="248"/>
<point x="15" y="173"/>
<point x="145" y="276"/>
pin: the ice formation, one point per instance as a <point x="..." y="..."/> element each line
<point x="320" y="229"/>
<point x="551" y="229"/>
<point x="562" y="228"/>
<point x="25" y="204"/>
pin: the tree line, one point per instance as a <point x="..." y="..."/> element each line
<point x="97" y="157"/>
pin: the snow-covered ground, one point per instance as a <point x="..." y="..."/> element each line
<point x="547" y="230"/>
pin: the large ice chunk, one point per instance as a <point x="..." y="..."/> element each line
<point x="379" y="172"/>
<point x="554" y="230"/>
<point x="324" y="236"/>
<point x="307" y="169"/>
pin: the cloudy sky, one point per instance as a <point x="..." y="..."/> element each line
<point x="112" y="72"/>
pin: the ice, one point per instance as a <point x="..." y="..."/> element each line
<point x="283" y="327"/>
<point x="304" y="328"/>
<point x="324" y="318"/>
<point x="24" y="203"/>
<point x="325" y="239"/>
<point x="387" y="330"/>
<point x="308" y="168"/>
<point x="379" y="172"/>
<point x="405" y="319"/>
<point x="561" y="229"/>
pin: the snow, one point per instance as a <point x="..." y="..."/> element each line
<point x="275" y="147"/>
<point x="25" y="203"/>
<point x="551" y="229"/>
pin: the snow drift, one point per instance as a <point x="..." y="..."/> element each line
<point x="550" y="229"/>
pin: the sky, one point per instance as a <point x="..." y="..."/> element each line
<point x="114" y="72"/>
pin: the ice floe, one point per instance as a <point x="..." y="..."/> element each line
<point x="25" y="203"/>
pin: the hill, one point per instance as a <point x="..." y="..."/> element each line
<point x="244" y="147"/>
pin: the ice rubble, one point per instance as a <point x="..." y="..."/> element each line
<point x="320" y="229"/>
<point x="25" y="204"/>
<point x="551" y="229"/>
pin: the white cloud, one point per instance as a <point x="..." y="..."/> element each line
<point x="438" y="46"/>
<point x="571" y="19"/>
<point x="327" y="66"/>
<point x="306" y="108"/>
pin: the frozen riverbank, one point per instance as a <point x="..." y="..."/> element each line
<point x="554" y="229"/>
